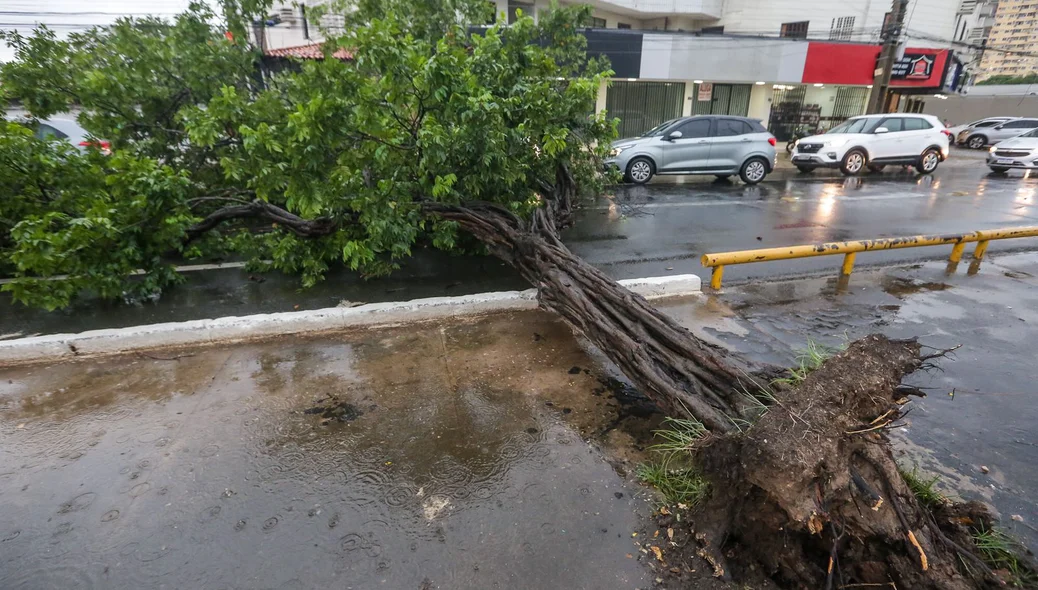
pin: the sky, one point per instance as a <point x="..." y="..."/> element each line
<point x="65" y="16"/>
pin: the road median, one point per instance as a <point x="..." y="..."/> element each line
<point x="252" y="327"/>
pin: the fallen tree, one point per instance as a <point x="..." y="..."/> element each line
<point x="431" y="134"/>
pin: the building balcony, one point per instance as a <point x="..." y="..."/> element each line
<point x="699" y="9"/>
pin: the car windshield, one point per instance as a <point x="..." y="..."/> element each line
<point x="853" y="126"/>
<point x="1031" y="133"/>
<point x="658" y="130"/>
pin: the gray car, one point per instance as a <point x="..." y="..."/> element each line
<point x="708" y="144"/>
<point x="1019" y="153"/>
<point x="979" y="138"/>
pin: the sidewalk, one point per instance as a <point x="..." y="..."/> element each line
<point x="445" y="455"/>
<point x="486" y="452"/>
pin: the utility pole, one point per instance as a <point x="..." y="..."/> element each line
<point x="891" y="36"/>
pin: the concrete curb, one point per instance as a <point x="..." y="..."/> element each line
<point x="241" y="328"/>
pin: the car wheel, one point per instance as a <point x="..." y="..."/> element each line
<point x="853" y="163"/>
<point x="999" y="169"/>
<point x="806" y="169"/>
<point x="640" y="170"/>
<point x="928" y="161"/>
<point x="976" y="142"/>
<point x="876" y="168"/>
<point x="753" y="170"/>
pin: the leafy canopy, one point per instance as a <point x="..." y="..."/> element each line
<point x="324" y="162"/>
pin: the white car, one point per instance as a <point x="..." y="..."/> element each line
<point x="1019" y="153"/>
<point x="873" y="141"/>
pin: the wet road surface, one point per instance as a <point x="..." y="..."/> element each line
<point x="436" y="457"/>
<point x="665" y="228"/>
<point x="982" y="405"/>
<point x="660" y="229"/>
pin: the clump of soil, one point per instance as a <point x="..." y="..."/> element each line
<point x="810" y="495"/>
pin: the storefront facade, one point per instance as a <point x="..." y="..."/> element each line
<point x="788" y="84"/>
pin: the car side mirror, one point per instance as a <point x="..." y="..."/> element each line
<point x="674" y="135"/>
<point x="881" y="130"/>
<point x="999" y="127"/>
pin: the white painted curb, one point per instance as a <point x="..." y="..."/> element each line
<point x="236" y="329"/>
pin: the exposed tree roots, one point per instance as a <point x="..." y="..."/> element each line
<point x="812" y="491"/>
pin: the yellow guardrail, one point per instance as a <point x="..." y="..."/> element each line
<point x="850" y="249"/>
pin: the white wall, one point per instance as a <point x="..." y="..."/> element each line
<point x="934" y="18"/>
<point x="760" y="103"/>
<point x="717" y="59"/>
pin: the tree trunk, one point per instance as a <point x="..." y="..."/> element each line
<point x="680" y="373"/>
<point x="811" y="491"/>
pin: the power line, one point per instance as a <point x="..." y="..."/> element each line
<point x="85" y="13"/>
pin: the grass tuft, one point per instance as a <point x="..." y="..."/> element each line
<point x="808" y="359"/>
<point x="679" y="485"/>
<point x="680" y="437"/>
<point x="1000" y="552"/>
<point x="673" y="475"/>
<point x="923" y="488"/>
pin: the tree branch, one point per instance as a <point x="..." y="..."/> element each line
<point x="257" y="209"/>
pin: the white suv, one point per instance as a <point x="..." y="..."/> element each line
<point x="873" y="141"/>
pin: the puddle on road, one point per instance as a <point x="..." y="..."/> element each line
<point x="444" y="457"/>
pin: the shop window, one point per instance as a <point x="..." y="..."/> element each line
<point x="712" y="30"/>
<point x="797" y="30"/>
<point x="640" y="106"/>
<point x="623" y="26"/>
<point x="515" y="7"/>
<point x="596" y="23"/>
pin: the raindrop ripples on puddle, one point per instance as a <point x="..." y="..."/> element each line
<point x="445" y="467"/>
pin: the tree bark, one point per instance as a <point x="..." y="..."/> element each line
<point x="681" y="374"/>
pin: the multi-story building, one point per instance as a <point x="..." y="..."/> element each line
<point x="791" y="63"/>
<point x="1013" y="39"/>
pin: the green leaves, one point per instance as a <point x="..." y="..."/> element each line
<point x="424" y="112"/>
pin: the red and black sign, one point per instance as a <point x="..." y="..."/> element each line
<point x="914" y="66"/>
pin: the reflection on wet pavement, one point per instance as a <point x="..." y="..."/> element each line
<point x="664" y="228"/>
<point x="450" y="456"/>
<point x="981" y="408"/>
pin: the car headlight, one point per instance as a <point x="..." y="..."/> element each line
<point x="836" y="142"/>
<point x="991" y="149"/>
<point x="617" y="149"/>
<point x="796" y="143"/>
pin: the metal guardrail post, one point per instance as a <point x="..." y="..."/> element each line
<point x="982" y="247"/>
<point x="848" y="264"/>
<point x="715" y="277"/>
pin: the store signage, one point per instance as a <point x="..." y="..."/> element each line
<point x="914" y="66"/>
<point x="706" y="92"/>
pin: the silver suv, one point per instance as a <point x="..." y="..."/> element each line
<point x="979" y="138"/>
<point x="708" y="144"/>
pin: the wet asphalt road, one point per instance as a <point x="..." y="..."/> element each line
<point x="660" y="229"/>
<point x="665" y="227"/>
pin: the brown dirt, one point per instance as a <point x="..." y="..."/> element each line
<point x="810" y="496"/>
